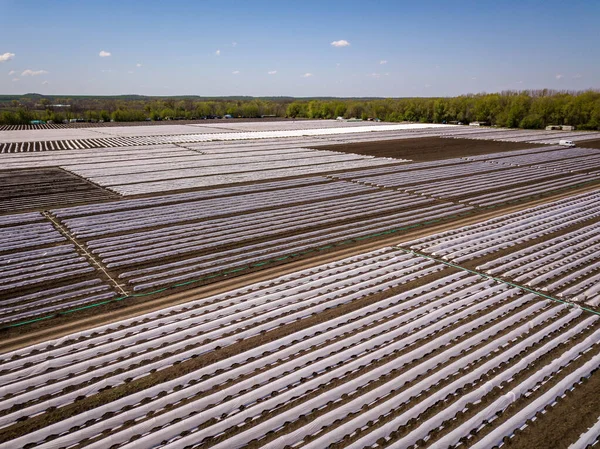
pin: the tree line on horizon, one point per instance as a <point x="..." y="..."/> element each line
<point x="532" y="109"/>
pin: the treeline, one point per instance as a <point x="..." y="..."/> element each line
<point x="523" y="109"/>
<point x="58" y="109"/>
<point x="528" y="109"/>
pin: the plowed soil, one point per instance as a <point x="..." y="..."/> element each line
<point x="589" y="144"/>
<point x="428" y="148"/>
<point x="40" y="188"/>
<point x="573" y="415"/>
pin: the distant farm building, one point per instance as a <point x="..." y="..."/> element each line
<point x="560" y="128"/>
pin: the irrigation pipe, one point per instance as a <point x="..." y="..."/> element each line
<point x="493" y="278"/>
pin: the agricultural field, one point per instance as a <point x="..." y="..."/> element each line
<point x="425" y="149"/>
<point x="305" y="284"/>
<point x="39" y="188"/>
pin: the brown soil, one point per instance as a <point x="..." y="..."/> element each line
<point x="34" y="189"/>
<point x="589" y="144"/>
<point x="565" y="422"/>
<point x="427" y="149"/>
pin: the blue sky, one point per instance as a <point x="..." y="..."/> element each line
<point x="269" y="48"/>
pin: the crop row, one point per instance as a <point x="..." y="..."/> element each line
<point x="39" y="273"/>
<point x="157" y="213"/>
<point x="532" y="136"/>
<point x="512" y="153"/>
<point x="218" y="192"/>
<point x="565" y="263"/>
<point x="171" y="336"/>
<point x="169" y="244"/>
<point x="212" y="172"/>
<point x="50" y="145"/>
<point x="405" y="176"/>
<point x="524" y="182"/>
<point x="469" y="242"/>
<point x="436" y="350"/>
<point x="46" y="187"/>
<point x="564" y="259"/>
<point x="550" y="154"/>
<point x="355" y="175"/>
<point x="477" y="183"/>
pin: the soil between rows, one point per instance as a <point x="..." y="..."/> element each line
<point x="19" y="337"/>
<point x="39" y="188"/>
<point x="573" y="415"/>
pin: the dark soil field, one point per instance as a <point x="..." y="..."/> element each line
<point x="589" y="144"/>
<point x="428" y="149"/>
<point x="41" y="188"/>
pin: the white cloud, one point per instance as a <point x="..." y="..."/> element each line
<point x="559" y="76"/>
<point x="30" y="72"/>
<point x="15" y="79"/>
<point x="107" y="70"/>
<point x="386" y="74"/>
<point x="233" y="44"/>
<point x="130" y="71"/>
<point x="12" y="72"/>
<point x="577" y="77"/>
<point x="272" y="72"/>
<point x="236" y="72"/>
<point x="427" y="85"/>
<point x="104" y="54"/>
<point x="218" y="52"/>
<point x="375" y="75"/>
<point x="45" y="83"/>
<point x="383" y="61"/>
<point x="519" y="82"/>
<point x="307" y="75"/>
<point x="6" y="57"/>
<point x="138" y="65"/>
<point x="340" y="43"/>
<point x="338" y="64"/>
<point x="473" y="78"/>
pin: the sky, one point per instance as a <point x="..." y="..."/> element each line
<point x="297" y="48"/>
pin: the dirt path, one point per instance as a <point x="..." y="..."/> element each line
<point x="15" y="342"/>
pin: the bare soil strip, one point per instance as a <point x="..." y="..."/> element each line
<point x="93" y="260"/>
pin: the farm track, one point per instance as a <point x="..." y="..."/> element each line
<point x="19" y="337"/>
